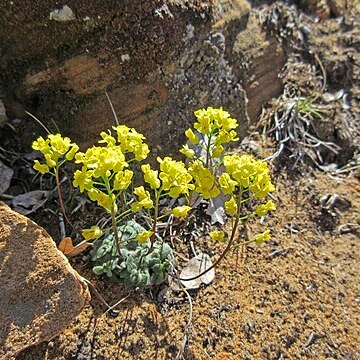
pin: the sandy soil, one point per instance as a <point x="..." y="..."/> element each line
<point x="295" y="297"/>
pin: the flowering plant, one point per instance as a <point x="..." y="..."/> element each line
<point x="139" y="255"/>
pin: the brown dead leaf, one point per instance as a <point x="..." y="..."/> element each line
<point x="67" y="248"/>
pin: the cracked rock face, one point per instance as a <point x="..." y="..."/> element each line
<point x="40" y="293"/>
<point x="158" y="62"/>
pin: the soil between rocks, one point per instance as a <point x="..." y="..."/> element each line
<point x="295" y="297"/>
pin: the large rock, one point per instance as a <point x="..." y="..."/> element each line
<point x="40" y="293"/>
<point x="158" y="61"/>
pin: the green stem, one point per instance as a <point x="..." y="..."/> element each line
<point x="58" y="185"/>
<point x="208" y="151"/>
<point x="123" y="214"/>
<point x="229" y="245"/>
<point x="244" y="243"/>
<point x="156" y="213"/>
<point x="114" y="226"/>
<point x="113" y="213"/>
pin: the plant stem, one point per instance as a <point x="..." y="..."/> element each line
<point x="228" y="247"/>
<point x="123" y="214"/>
<point x="113" y="213"/>
<point x="156" y="213"/>
<point x="116" y="234"/>
<point x="62" y="207"/>
<point x="208" y="157"/>
<point x="244" y="243"/>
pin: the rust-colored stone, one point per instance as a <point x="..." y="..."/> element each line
<point x="40" y="293"/>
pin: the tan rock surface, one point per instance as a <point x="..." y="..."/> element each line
<point x="40" y="293"/>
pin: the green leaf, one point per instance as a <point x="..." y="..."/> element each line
<point x="98" y="270"/>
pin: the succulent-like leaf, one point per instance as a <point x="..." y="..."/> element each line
<point x="135" y="267"/>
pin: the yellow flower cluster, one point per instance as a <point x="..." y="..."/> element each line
<point x="212" y="120"/>
<point x="248" y="173"/>
<point x="174" y="176"/>
<point x="53" y="148"/>
<point x="110" y="162"/>
<point x="204" y="179"/>
<point x="102" y="160"/>
<point x="218" y="128"/>
<point x="132" y="141"/>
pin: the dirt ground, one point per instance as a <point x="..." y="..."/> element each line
<point x="295" y="297"/>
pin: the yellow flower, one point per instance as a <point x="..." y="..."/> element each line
<point x="141" y="152"/>
<point x="150" y="176"/>
<point x="226" y="136"/>
<point x="261" y="238"/>
<point x="59" y="145"/>
<point x="217" y="151"/>
<point x="41" y="145"/>
<point x="263" y="209"/>
<point x="250" y="173"/>
<point x="107" y="138"/>
<point x="208" y="193"/>
<point x="141" y="193"/>
<point x="93" y="233"/>
<point x="181" y="211"/>
<point x="144" y="199"/>
<point x="216" y="122"/>
<point x="262" y="186"/>
<point x="226" y="183"/>
<point x="189" y="153"/>
<point x="143" y="237"/>
<point x="204" y="179"/>
<point x="107" y="201"/>
<point x="70" y="155"/>
<point x="49" y="160"/>
<point x="175" y="177"/>
<point x="192" y="137"/>
<point x="93" y="194"/>
<point x="203" y="124"/>
<point x="132" y="141"/>
<point x="122" y="179"/>
<point x="82" y="179"/>
<point x="222" y="119"/>
<point x="226" y="122"/>
<point x="217" y="235"/>
<point x="231" y="207"/>
<point x="41" y="168"/>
